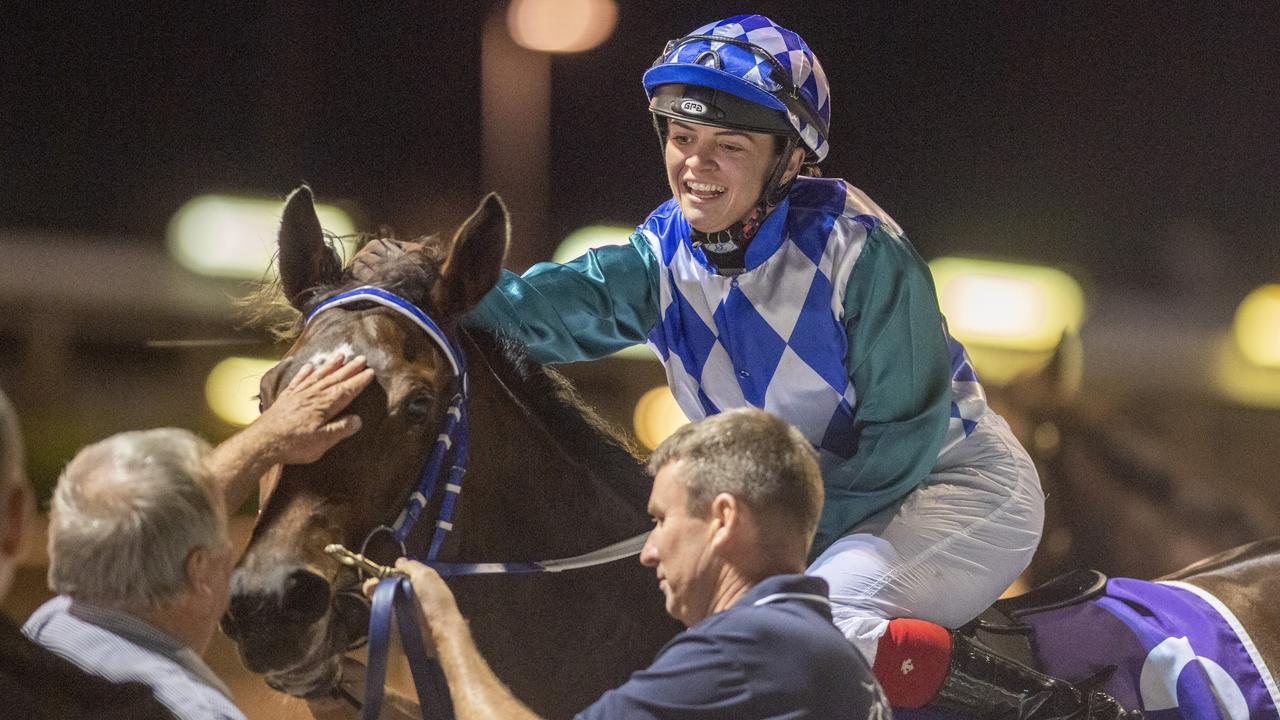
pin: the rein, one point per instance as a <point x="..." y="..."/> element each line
<point x="394" y="595"/>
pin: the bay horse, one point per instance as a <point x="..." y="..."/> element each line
<point x="1113" y="493"/>
<point x="546" y="480"/>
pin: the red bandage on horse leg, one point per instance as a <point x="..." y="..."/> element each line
<point x="912" y="661"/>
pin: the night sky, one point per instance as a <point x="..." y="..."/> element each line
<point x="1134" y="142"/>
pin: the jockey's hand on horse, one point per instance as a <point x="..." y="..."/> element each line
<point x="378" y="259"/>
<point x="378" y="254"/>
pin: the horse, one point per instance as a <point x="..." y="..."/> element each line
<point x="1113" y="493"/>
<point x="1196" y="644"/>
<point x="546" y="479"/>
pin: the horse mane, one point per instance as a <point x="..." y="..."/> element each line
<point x="553" y="400"/>
<point x="265" y="306"/>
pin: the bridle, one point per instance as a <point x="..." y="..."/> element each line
<point x="452" y="441"/>
<point x="394" y="595"/>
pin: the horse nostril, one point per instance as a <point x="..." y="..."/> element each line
<point x="305" y="597"/>
<point x="228" y="622"/>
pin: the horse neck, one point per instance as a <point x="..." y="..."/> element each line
<point x="1247" y="580"/>
<point x="529" y="494"/>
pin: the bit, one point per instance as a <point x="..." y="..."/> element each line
<point x="360" y="562"/>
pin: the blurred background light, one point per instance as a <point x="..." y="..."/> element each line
<point x="561" y="26"/>
<point x="1257" y="327"/>
<point x="636" y="352"/>
<point x="1242" y="381"/>
<point x="235" y="237"/>
<point x="657" y="416"/>
<point x="1007" y="305"/>
<point x="232" y="388"/>
<point x="589" y="238"/>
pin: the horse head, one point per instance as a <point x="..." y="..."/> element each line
<point x="1114" y="494"/>
<point x="294" y="610"/>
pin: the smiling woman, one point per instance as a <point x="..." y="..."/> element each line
<point x="718" y="174"/>
<point x="761" y="285"/>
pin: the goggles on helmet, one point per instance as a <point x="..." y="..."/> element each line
<point x="733" y="66"/>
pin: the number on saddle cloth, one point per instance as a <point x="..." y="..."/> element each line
<point x="393" y="597"/>
<point x="1169" y="649"/>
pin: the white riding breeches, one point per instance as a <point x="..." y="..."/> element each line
<point x="947" y="550"/>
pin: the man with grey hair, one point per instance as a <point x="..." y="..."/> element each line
<point x="735" y="501"/>
<point x="35" y="683"/>
<point x="138" y="551"/>
<point x="138" y="547"/>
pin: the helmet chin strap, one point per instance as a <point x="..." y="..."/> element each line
<point x="727" y="248"/>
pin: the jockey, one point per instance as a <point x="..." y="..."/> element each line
<point x="759" y="283"/>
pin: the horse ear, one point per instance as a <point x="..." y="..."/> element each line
<point x="475" y="260"/>
<point x="1066" y="368"/>
<point x="1051" y="386"/>
<point x="306" y="262"/>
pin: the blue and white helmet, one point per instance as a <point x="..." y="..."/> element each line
<point x="751" y="58"/>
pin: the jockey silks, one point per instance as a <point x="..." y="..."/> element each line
<point x="833" y="326"/>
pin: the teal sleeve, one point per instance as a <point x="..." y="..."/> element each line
<point x="899" y="365"/>
<point x="585" y="309"/>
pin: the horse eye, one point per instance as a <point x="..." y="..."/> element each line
<point x="418" y="408"/>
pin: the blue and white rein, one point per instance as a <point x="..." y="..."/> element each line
<point x="394" y="596"/>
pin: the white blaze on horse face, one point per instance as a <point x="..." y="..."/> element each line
<point x="320" y="357"/>
<point x="375" y="358"/>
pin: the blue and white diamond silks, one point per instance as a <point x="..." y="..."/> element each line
<point x="773" y="337"/>
<point x="968" y="400"/>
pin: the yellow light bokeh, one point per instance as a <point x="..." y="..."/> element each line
<point x="1257" y="327"/>
<point x="1239" y="379"/>
<point x="235" y="237"/>
<point x="232" y="388"/>
<point x="657" y="416"/>
<point x="590" y="237"/>
<point x="561" y="26"/>
<point x="636" y="352"/>
<point x="995" y="306"/>
<point x="1007" y="305"/>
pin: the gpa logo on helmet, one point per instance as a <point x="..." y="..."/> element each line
<point x="692" y="107"/>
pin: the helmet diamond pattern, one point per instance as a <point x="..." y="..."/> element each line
<point x="758" y="61"/>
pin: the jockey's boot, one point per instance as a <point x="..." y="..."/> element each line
<point x="984" y="684"/>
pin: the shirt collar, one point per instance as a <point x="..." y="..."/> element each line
<point x="768" y="236"/>
<point x="767" y="240"/>
<point x="149" y="637"/>
<point x="787" y="586"/>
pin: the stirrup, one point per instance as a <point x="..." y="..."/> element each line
<point x="986" y="685"/>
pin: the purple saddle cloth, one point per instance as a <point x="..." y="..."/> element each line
<point x="1178" y="651"/>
